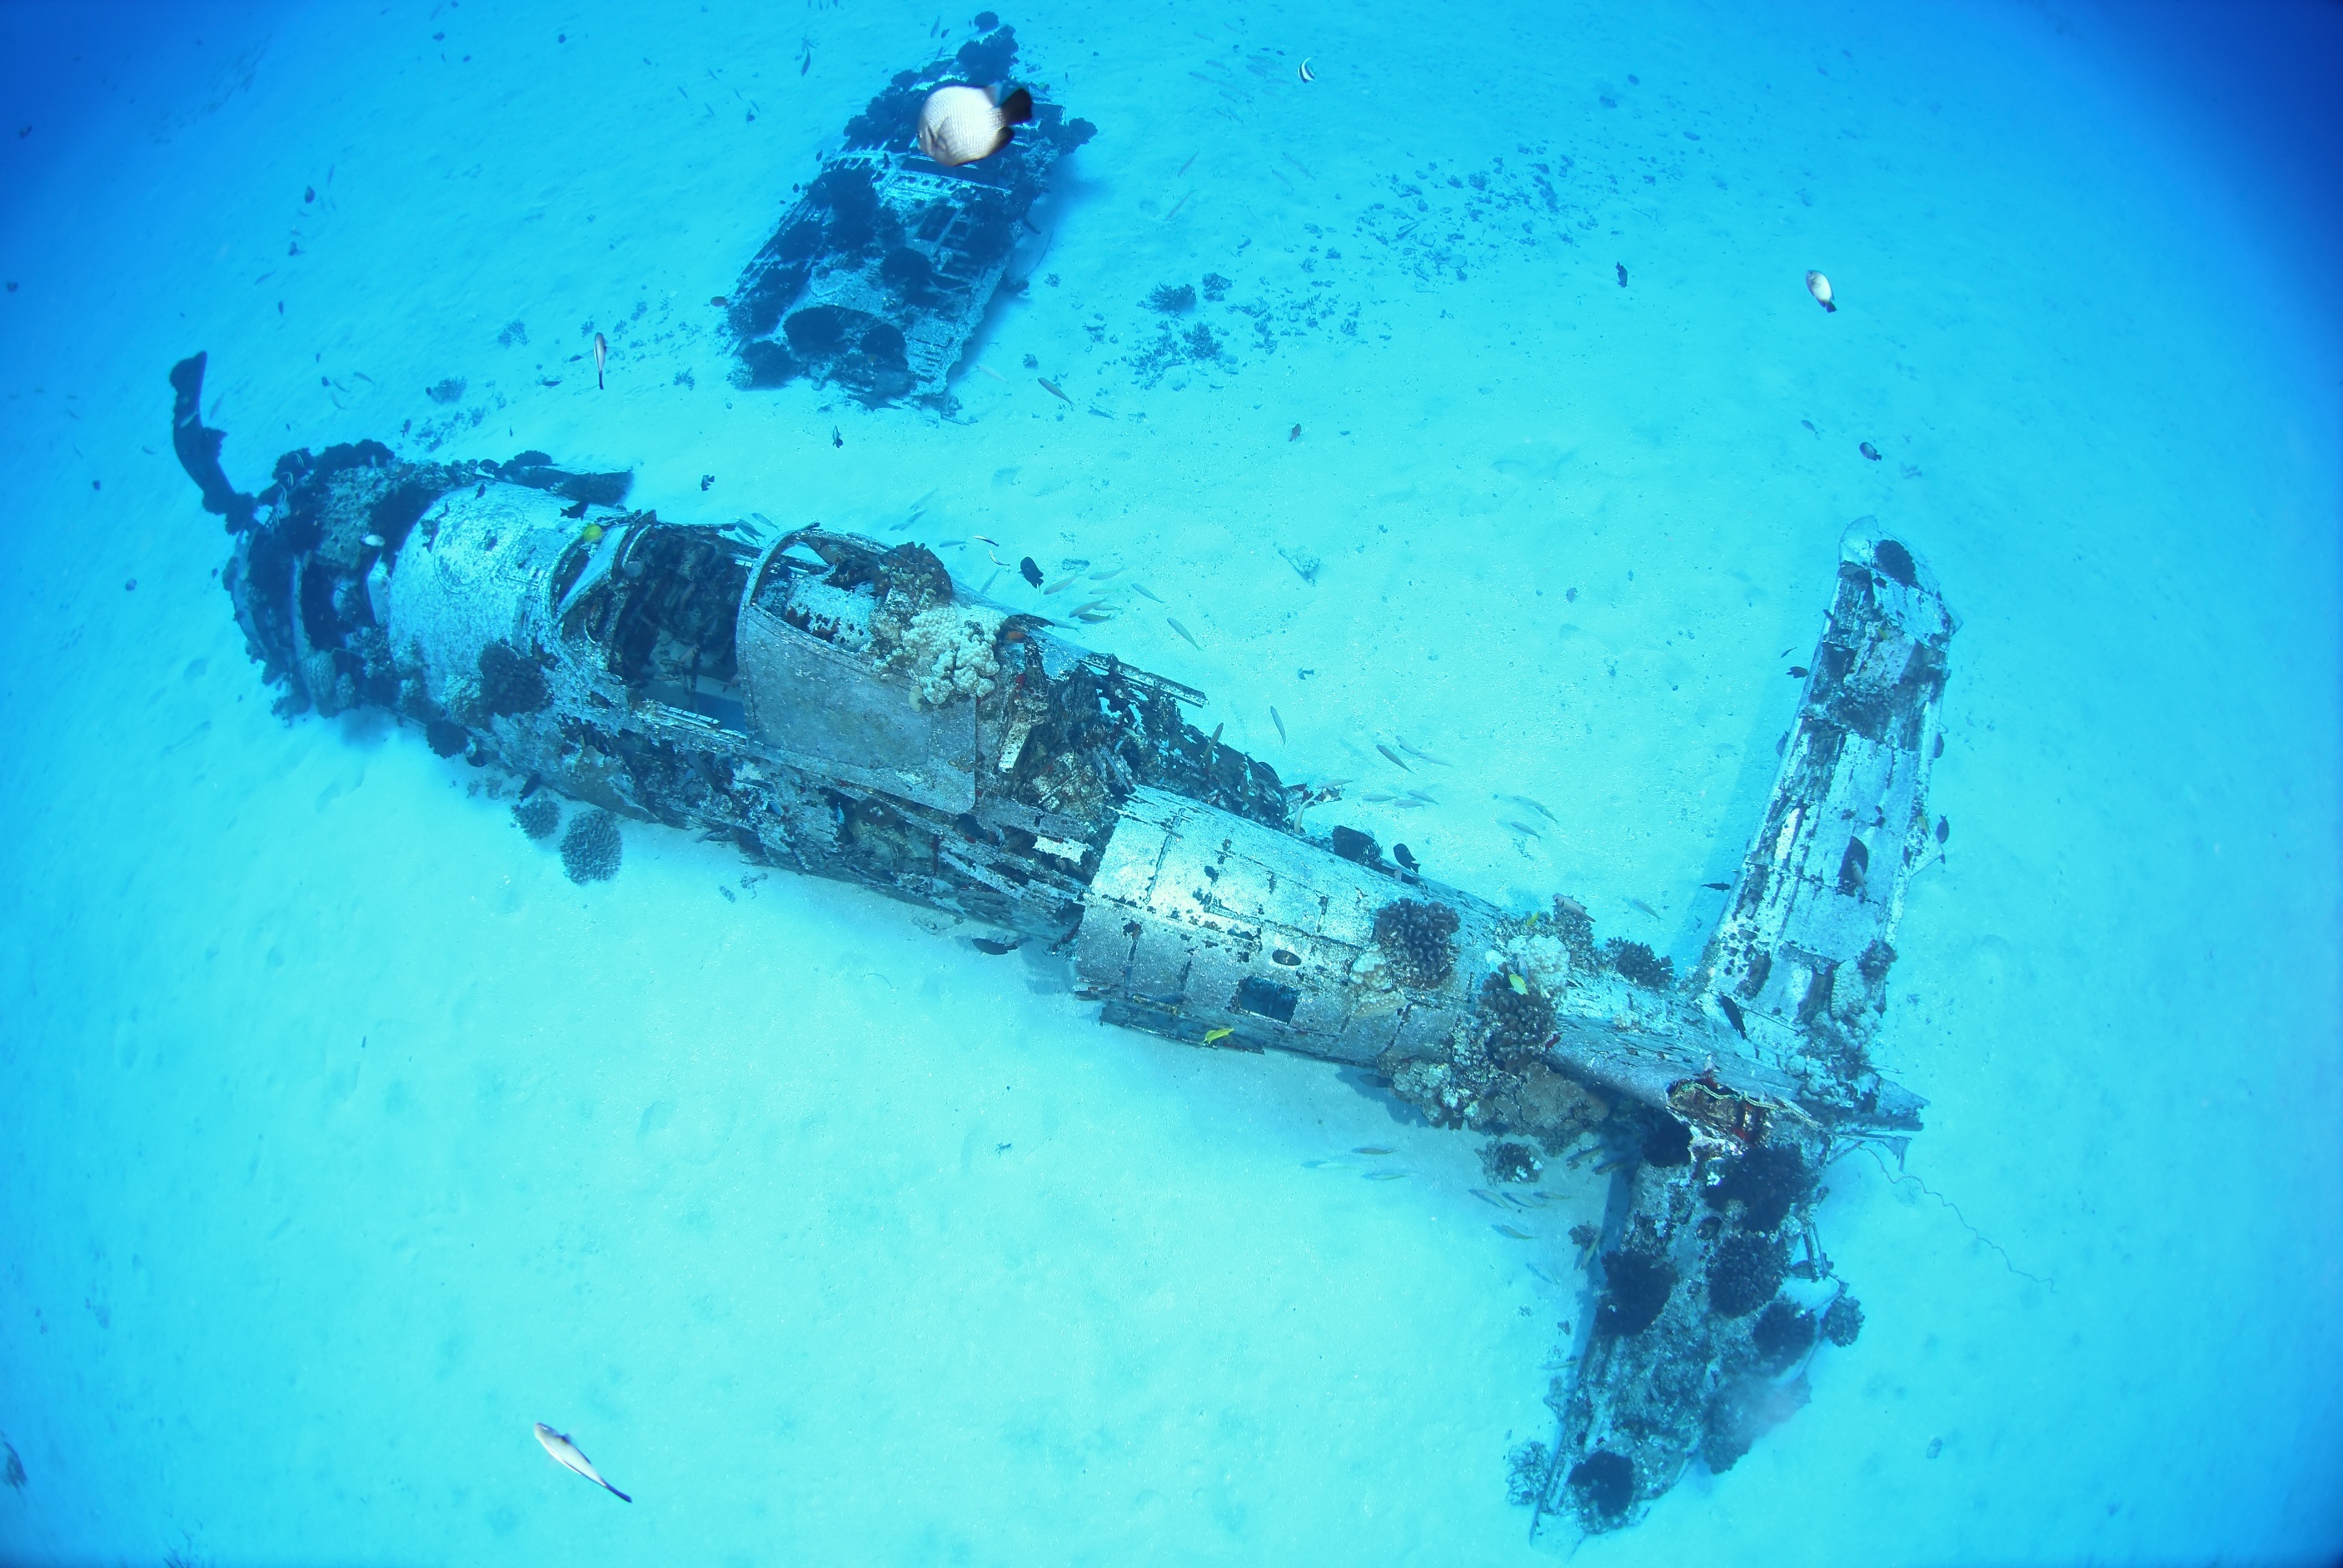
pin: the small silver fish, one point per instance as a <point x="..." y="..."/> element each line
<point x="1110" y="572"/>
<point x="1517" y="1235"/>
<point x="601" y="352"/>
<point x="1140" y="590"/>
<point x="1325" y="1165"/>
<point x="1274" y="718"/>
<point x="1488" y="1197"/>
<point x="1092" y="605"/>
<point x="1639" y="904"/>
<point x="1386" y="1175"/>
<point x="1394" y="757"/>
<point x="565" y="1454"/>
<point x="1372" y="1148"/>
<point x="1376" y="797"/>
<point x="1183" y="630"/>
<point x="1532" y="805"/>
<point x="1060" y="586"/>
<point x="1421" y="756"/>
<point x="959" y="124"/>
<point x="1523" y="828"/>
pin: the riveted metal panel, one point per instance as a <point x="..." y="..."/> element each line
<point x="1211" y="921"/>
<point x="827" y="711"/>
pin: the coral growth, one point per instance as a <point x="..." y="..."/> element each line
<point x="947" y="651"/>
<point x="1743" y="1275"/>
<point x="1781" y="1335"/>
<point x="1766" y="1182"/>
<point x="1639" y="964"/>
<point x="1518" y="1022"/>
<point x="1525" y="1472"/>
<point x="1636" y="1287"/>
<point x="1605" y="1485"/>
<point x="1575" y="930"/>
<point x="539" y="816"/>
<point x="1842" y="1321"/>
<point x="1418" y="942"/>
<point x="1504" y="1160"/>
<point x="590" y="849"/>
<point x="1173" y="299"/>
<point x="511" y="682"/>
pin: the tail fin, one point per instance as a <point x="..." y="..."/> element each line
<point x="1829" y="306"/>
<point x="615" y="1493"/>
<point x="1017" y="108"/>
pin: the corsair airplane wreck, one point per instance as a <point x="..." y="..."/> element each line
<point x="843" y="708"/>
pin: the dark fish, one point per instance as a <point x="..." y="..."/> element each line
<point x="1294" y="434"/>
<point x="1868" y="451"/>
<point x="718" y="301"/>
<point x="1797" y="672"/>
<point x="1720" y="887"/>
<point x="1944" y="829"/>
<point x="1401" y="853"/>
<point x="994" y="945"/>
<point x="1029" y="571"/>
<point x="577" y="511"/>
<point x="1623" y="274"/>
<point x="835" y="439"/>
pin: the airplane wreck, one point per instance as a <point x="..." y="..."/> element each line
<point x="885" y="265"/>
<point x="842" y="709"/>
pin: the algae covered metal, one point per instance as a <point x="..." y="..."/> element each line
<point x="884" y="266"/>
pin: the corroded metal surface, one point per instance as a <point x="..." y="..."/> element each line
<point x="833" y="705"/>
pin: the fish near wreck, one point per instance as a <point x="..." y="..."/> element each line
<point x="960" y="125"/>
<point x="830" y="704"/>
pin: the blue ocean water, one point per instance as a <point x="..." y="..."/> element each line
<point x="343" y="1137"/>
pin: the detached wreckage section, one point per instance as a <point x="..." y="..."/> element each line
<point x="885" y="265"/>
<point x="846" y="710"/>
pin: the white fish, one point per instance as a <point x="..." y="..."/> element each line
<point x="1819" y="286"/>
<point x="960" y="125"/>
<point x="565" y="1454"/>
<point x="601" y="352"/>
